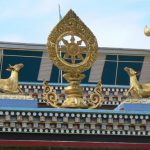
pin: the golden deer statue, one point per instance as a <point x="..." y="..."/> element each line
<point x="10" y="85"/>
<point x="136" y="89"/>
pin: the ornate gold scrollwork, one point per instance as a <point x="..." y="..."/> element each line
<point x="49" y="96"/>
<point x="96" y="98"/>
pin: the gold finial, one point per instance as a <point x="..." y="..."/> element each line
<point x="147" y="31"/>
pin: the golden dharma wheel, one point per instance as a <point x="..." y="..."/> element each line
<point x="71" y="45"/>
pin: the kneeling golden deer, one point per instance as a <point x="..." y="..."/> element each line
<point x="136" y="89"/>
<point x="10" y="85"/>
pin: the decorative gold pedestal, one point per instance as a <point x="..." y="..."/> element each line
<point x="74" y="96"/>
<point x="74" y="91"/>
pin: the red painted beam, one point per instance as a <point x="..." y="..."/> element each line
<point x="27" y="143"/>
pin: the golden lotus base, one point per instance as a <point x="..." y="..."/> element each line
<point x="74" y="102"/>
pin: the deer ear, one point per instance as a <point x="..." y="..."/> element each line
<point x="8" y="69"/>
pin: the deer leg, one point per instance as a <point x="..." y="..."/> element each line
<point x="140" y="91"/>
<point x="20" y="91"/>
<point x="129" y="91"/>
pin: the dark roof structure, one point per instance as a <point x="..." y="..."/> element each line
<point x="37" y="64"/>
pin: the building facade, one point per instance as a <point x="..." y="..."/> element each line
<point x="76" y="128"/>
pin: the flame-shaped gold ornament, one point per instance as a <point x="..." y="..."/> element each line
<point x="73" y="48"/>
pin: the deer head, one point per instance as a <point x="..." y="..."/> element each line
<point x="16" y="67"/>
<point x="130" y="71"/>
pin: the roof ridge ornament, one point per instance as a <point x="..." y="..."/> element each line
<point x="147" y="30"/>
<point x="73" y="48"/>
